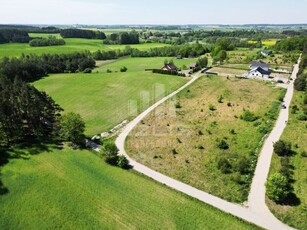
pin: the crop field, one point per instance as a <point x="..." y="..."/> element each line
<point x="38" y="35"/>
<point x="264" y="42"/>
<point x="66" y="189"/>
<point x="106" y="99"/>
<point x="181" y="137"/>
<point x="294" y="214"/>
<point x="72" y="45"/>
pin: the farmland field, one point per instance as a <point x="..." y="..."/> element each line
<point x="72" y="45"/>
<point x="181" y="137"/>
<point x="66" y="189"/>
<point x="105" y="99"/>
<point x="295" y="132"/>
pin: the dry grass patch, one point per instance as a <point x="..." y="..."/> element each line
<point x="180" y="138"/>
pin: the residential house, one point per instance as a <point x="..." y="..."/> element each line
<point x="193" y="65"/>
<point x="169" y="66"/>
<point x="259" y="73"/>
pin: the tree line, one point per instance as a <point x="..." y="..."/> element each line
<point x="25" y="112"/>
<point x="123" y="38"/>
<point x="291" y="44"/>
<point x="77" y="33"/>
<point x="13" y="35"/>
<point x="32" y="67"/>
<point x="51" y="41"/>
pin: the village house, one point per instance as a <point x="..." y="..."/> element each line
<point x="261" y="64"/>
<point x="258" y="69"/>
<point x="169" y="66"/>
<point x="193" y="65"/>
<point x="266" y="53"/>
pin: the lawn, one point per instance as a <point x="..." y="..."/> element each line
<point x="72" y="45"/>
<point x="106" y="99"/>
<point x="295" y="132"/>
<point x="180" y="137"/>
<point x="227" y="71"/>
<point x="66" y="189"/>
<point x="241" y="55"/>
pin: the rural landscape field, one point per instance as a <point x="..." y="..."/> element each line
<point x="115" y="115"/>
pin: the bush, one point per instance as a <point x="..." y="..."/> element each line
<point x="302" y="117"/>
<point x="87" y="70"/>
<point x="248" y="116"/>
<point x="110" y="152"/>
<point x="224" y="165"/>
<point x="243" y="166"/>
<point x="278" y="187"/>
<point x="72" y="128"/>
<point x="282" y="148"/>
<point x="178" y="105"/>
<point x="222" y="144"/>
<point x="122" y="162"/>
<point x="220" y="99"/>
<point x="304" y="153"/>
<point x="124" y="69"/>
<point x="212" y="107"/>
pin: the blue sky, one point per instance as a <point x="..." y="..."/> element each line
<point x="152" y="11"/>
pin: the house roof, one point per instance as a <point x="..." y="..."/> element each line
<point x="193" y="65"/>
<point x="169" y="66"/>
<point x="260" y="70"/>
<point x="259" y="64"/>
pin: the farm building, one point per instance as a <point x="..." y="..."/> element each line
<point x="169" y="66"/>
<point x="261" y="64"/>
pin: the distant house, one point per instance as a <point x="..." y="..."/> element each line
<point x="169" y="66"/>
<point x="179" y="57"/>
<point x="193" y="65"/>
<point x="261" y="64"/>
<point x="266" y="53"/>
<point x="258" y="72"/>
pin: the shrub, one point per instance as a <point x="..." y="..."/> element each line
<point x="224" y="165"/>
<point x="229" y="104"/>
<point x="222" y="144"/>
<point x="212" y="107"/>
<point x="72" y="128"/>
<point x="248" y="116"/>
<point x="294" y="109"/>
<point x="243" y="166"/>
<point x="110" y="152"/>
<point x="122" y="162"/>
<point x="220" y="99"/>
<point x="278" y="187"/>
<point x="282" y="148"/>
<point x="87" y="70"/>
<point x="302" y="117"/>
<point x="304" y="153"/>
<point x="124" y="69"/>
<point x="174" y="152"/>
<point x="178" y="105"/>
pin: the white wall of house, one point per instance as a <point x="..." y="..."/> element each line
<point x="257" y="74"/>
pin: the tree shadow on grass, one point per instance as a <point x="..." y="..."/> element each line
<point x="24" y="151"/>
<point x="292" y="200"/>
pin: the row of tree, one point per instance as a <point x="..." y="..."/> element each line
<point x="32" y="67"/>
<point x="77" y="33"/>
<point x="52" y="41"/>
<point x="25" y="112"/>
<point x="13" y="35"/>
<point x="124" y="38"/>
<point x="291" y="44"/>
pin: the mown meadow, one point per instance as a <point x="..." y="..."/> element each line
<point x="67" y="189"/>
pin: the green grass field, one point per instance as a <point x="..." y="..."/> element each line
<point x="66" y="189"/>
<point x="72" y="45"/>
<point x="295" y="133"/>
<point x="182" y="142"/>
<point x="105" y="99"/>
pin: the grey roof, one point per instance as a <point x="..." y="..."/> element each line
<point x="259" y="64"/>
<point x="170" y="66"/>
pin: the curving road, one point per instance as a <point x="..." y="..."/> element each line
<point x="256" y="211"/>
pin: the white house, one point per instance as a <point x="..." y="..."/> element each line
<point x="258" y="73"/>
<point x="265" y="53"/>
